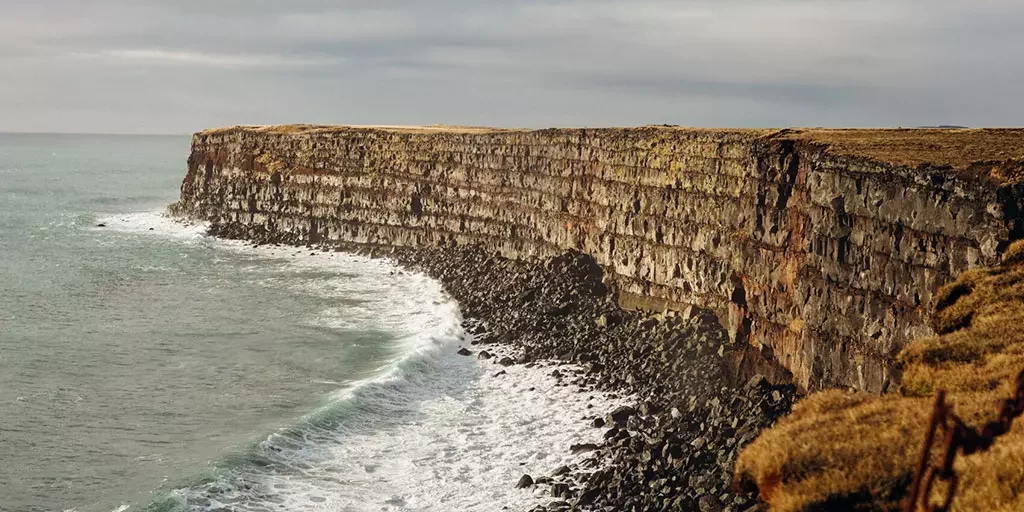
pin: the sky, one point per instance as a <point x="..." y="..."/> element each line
<point x="178" y="66"/>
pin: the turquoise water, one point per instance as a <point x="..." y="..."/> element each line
<point x="147" y="366"/>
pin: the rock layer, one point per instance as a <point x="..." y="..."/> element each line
<point x="808" y="244"/>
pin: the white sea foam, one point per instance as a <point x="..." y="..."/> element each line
<point x="433" y="431"/>
<point x="455" y="438"/>
<point x="157" y="222"/>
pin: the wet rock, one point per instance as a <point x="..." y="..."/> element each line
<point x="582" y="447"/>
<point x="621" y="415"/>
<point x="484" y="355"/>
<point x="463" y="351"/>
<point x="560" y="490"/>
<point x="506" y="361"/>
<point x="524" y="482"/>
<point x="588" y="497"/>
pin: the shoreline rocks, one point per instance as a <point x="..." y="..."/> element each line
<point x="674" y="449"/>
<point x="695" y="406"/>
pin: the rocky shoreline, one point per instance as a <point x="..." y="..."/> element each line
<point x="675" y="448"/>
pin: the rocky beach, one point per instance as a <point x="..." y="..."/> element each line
<point x="697" y="398"/>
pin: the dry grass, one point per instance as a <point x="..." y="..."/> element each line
<point x="853" y="451"/>
<point x="994" y="153"/>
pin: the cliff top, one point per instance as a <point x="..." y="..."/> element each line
<point x="956" y="148"/>
<point x="307" y="129"/>
<point x="995" y="152"/>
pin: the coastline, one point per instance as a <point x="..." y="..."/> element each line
<point x="767" y="262"/>
<point x="693" y="406"/>
<point x="475" y="412"/>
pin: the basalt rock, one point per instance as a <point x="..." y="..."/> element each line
<point x="822" y="247"/>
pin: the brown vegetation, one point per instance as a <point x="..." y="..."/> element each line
<point x="854" y="451"/>
<point x="957" y="149"/>
<point x="993" y="153"/>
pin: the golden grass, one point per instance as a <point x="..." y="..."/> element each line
<point x="995" y="153"/>
<point x="853" y="451"/>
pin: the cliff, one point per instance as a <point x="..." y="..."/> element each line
<point x="822" y="248"/>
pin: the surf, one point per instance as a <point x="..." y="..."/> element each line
<point x="428" y="430"/>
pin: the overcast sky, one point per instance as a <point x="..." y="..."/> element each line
<point x="176" y="66"/>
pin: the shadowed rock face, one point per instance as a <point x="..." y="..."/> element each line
<point x="824" y="259"/>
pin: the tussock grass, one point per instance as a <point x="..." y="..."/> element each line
<point x="839" y="450"/>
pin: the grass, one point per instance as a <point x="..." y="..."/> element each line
<point x="995" y="154"/>
<point x="842" y="450"/>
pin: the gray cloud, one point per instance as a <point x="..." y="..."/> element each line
<point x="178" y="66"/>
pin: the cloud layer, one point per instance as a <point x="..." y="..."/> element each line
<point x="178" y="66"/>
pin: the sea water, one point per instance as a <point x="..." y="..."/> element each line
<point x="147" y="366"/>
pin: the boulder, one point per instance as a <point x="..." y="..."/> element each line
<point x="524" y="482"/>
<point x="621" y="415"/>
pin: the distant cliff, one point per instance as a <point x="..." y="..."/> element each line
<point x="820" y="247"/>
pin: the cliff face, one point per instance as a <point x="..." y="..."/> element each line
<point x="822" y="248"/>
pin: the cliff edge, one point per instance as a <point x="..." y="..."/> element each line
<point x="818" y="248"/>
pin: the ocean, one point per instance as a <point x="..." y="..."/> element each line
<point x="147" y="366"/>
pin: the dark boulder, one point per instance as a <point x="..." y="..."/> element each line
<point x="560" y="490"/>
<point x="582" y="447"/>
<point x="524" y="482"/>
<point x="621" y="415"/>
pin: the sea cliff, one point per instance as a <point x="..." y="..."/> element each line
<point x="819" y="249"/>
